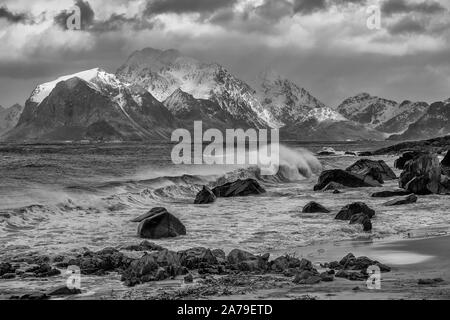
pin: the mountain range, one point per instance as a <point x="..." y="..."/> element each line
<point x="9" y="117"/>
<point x="155" y="92"/>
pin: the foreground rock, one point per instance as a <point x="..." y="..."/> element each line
<point x="101" y="262"/>
<point x="206" y="196"/>
<point x="158" y="223"/>
<point x="64" y="291"/>
<point x="389" y="194"/>
<point x="314" y="207"/>
<point x="353" y="209"/>
<point x="422" y="176"/>
<point x="402" y="201"/>
<point x="379" y="170"/>
<point x="362" y="219"/>
<point x="349" y="264"/>
<point x="357" y="213"/>
<point x="401" y="162"/>
<point x="345" y="178"/>
<point x="239" y="188"/>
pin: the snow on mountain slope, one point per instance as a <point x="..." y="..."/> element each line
<point x="369" y="110"/>
<point x="163" y="72"/>
<point x="97" y="78"/>
<point x="407" y="113"/>
<point x="291" y="104"/>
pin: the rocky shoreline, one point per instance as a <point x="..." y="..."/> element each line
<point x="212" y="272"/>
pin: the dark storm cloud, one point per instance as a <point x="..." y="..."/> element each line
<point x="408" y="25"/>
<point x="309" y="6"/>
<point x="87" y="15"/>
<point x="391" y="7"/>
<point x="11" y="16"/>
<point x="155" y="7"/>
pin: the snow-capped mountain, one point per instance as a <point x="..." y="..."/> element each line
<point x="9" y="117"/>
<point x="407" y="113"/>
<point x="382" y="114"/>
<point x="93" y="105"/>
<point x="289" y="103"/>
<point x="435" y="122"/>
<point x="369" y="110"/>
<point x="163" y="72"/>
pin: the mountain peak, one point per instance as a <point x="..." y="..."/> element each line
<point x="43" y="90"/>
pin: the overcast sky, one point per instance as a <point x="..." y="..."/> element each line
<point x="324" y="46"/>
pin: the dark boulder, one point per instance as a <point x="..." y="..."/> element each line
<point x="197" y="257"/>
<point x="402" y="201"/>
<point x="446" y="161"/>
<point x="144" y="246"/>
<point x="156" y="266"/>
<point x="314" y="207"/>
<point x="43" y="271"/>
<point x="406" y="157"/>
<point x="307" y="277"/>
<point x="350" y="262"/>
<point x="362" y="219"/>
<point x="284" y="263"/>
<point x="6" y="268"/>
<point x="205" y="196"/>
<point x="333" y="186"/>
<point x="64" y="291"/>
<point x="379" y="170"/>
<point x="365" y="154"/>
<point x="239" y="188"/>
<point x="388" y="194"/>
<point x="245" y="261"/>
<point x="355" y="208"/>
<point x="158" y="224"/>
<point x="345" y="178"/>
<point x="422" y="175"/>
<point x="101" y="262"/>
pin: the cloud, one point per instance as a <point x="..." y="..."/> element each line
<point x="12" y="17"/>
<point x="408" y="25"/>
<point x="87" y="15"/>
<point x="156" y="7"/>
<point x="309" y="6"/>
<point x="391" y="7"/>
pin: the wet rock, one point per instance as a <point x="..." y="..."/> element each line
<point x="155" y="266"/>
<point x="283" y="263"/>
<point x="158" y="224"/>
<point x="197" y="257"/>
<point x="245" y="261"/>
<point x="365" y="154"/>
<point x="43" y="271"/>
<point x="344" y="178"/>
<point x="64" y="291"/>
<point x="189" y="278"/>
<point x="98" y="263"/>
<point x="362" y="219"/>
<point x="144" y="246"/>
<point x="6" y="268"/>
<point x="333" y="186"/>
<point x="393" y="193"/>
<point x="307" y="277"/>
<point x="406" y="157"/>
<point x="32" y="296"/>
<point x="379" y="170"/>
<point x="422" y="176"/>
<point x="205" y="196"/>
<point x="8" y="276"/>
<point x="352" y="276"/>
<point x="350" y="262"/>
<point x="327" y="277"/>
<point x="355" y="208"/>
<point x="219" y="254"/>
<point x="239" y="188"/>
<point x="314" y="207"/>
<point x="402" y="201"/>
<point x="350" y="153"/>
<point x="430" y="281"/>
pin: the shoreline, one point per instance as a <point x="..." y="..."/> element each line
<point x="410" y="260"/>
